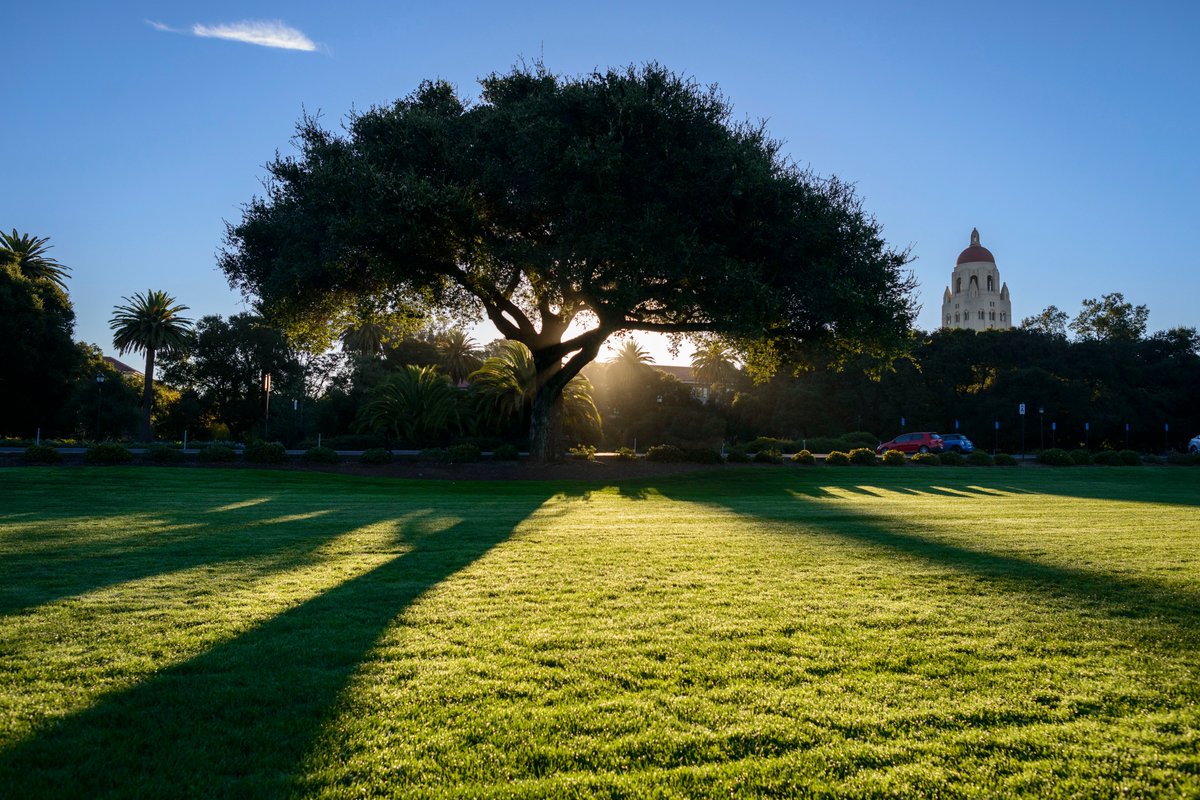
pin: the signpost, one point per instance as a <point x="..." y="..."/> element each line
<point x="1087" y="436"/>
<point x="996" y="441"/>
<point x="1053" y="435"/>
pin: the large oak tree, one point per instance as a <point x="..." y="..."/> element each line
<point x="567" y="210"/>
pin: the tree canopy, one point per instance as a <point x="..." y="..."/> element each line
<point x="567" y="210"/>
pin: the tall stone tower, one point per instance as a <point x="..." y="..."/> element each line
<point x="975" y="299"/>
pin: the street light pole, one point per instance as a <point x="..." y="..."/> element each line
<point x="1041" y="427"/>
<point x="267" y="415"/>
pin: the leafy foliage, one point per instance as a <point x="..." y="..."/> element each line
<point x="665" y="453"/>
<point x="836" y="458"/>
<point x="1004" y="460"/>
<point x="415" y="405"/>
<point x="151" y="323"/>
<point x="376" y="455"/>
<point x="28" y="256"/>
<point x="216" y="453"/>
<point x="803" y="457"/>
<point x="260" y="452"/>
<point x="624" y="197"/>
<point x="863" y="457"/>
<point x="321" y="455"/>
<point x="894" y="458"/>
<point x="1056" y="457"/>
<point x="107" y="453"/>
<point x="42" y="454"/>
<point x="979" y="458"/>
<point x="927" y="459"/>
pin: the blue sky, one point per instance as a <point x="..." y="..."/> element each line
<point x="1067" y="133"/>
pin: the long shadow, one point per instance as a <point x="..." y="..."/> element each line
<point x="237" y="720"/>
<point x="76" y="565"/>
<point x="1166" y="609"/>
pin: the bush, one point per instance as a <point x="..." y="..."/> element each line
<point x="260" y="452"/>
<point x="1056" y="457"/>
<point x="664" y="454"/>
<point x="506" y="452"/>
<point x="42" y="454"/>
<point x="626" y="454"/>
<point x="1150" y="458"/>
<point x="1107" y="458"/>
<point x="1130" y="458"/>
<point x="463" y="454"/>
<point x="704" y="455"/>
<point x="837" y="458"/>
<point x="767" y="443"/>
<point x="927" y="459"/>
<point x="376" y="455"/>
<point x="803" y="457"/>
<point x="894" y="458"/>
<point x="1081" y="458"/>
<point x="348" y="441"/>
<point x="1005" y="460"/>
<point x="952" y="459"/>
<point x="863" y="457"/>
<point x="321" y="455"/>
<point x="738" y="457"/>
<point x="107" y="453"/>
<point x="214" y="453"/>
<point x="1184" y="459"/>
<point x="768" y="457"/>
<point x="980" y="459"/>
<point x="582" y="452"/>
<point x="162" y="454"/>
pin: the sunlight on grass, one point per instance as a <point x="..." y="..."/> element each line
<point x="741" y="632"/>
<point x="257" y="501"/>
<point x="149" y="624"/>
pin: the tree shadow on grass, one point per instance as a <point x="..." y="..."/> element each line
<point x="237" y="720"/>
<point x="1172" y="622"/>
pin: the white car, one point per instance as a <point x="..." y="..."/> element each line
<point x="1194" y="445"/>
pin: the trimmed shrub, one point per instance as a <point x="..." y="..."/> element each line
<point x="626" y="454"/>
<point x="215" y="453"/>
<point x="1150" y="458"/>
<point x="506" y="452"/>
<point x="260" y="452"/>
<point x="581" y="452"/>
<point x="837" y="458"/>
<point x="980" y="459"/>
<point x="321" y="455"/>
<point x="1005" y="460"/>
<point x="107" y="453"/>
<point x="927" y="459"/>
<point x="376" y="455"/>
<point x="803" y="457"/>
<point x="951" y="458"/>
<point x="768" y="457"/>
<point x="1056" y="457"/>
<point x="42" y="454"/>
<point x="162" y="454"/>
<point x="863" y="457"/>
<point x="347" y="441"/>
<point x="704" y="455"/>
<point x="894" y="458"/>
<point x="738" y="457"/>
<point x="1108" y="458"/>
<point x="664" y="454"/>
<point x="1081" y="458"/>
<point x="463" y="454"/>
<point x="433" y="454"/>
<point x="1130" y="458"/>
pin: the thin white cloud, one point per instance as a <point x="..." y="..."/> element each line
<point x="263" y="32"/>
<point x="267" y="33"/>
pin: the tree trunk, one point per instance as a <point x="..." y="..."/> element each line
<point x="546" y="443"/>
<point x="146" y="432"/>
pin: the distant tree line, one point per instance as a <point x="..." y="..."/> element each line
<point x="392" y="382"/>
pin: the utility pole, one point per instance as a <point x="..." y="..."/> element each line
<point x="267" y="415"/>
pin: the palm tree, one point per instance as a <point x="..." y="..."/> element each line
<point x="712" y="364"/>
<point x="459" y="354"/>
<point x="632" y="355"/>
<point x="149" y="322"/>
<point x="415" y="405"/>
<point x="506" y="384"/>
<point x="28" y="254"/>
<point x="365" y="338"/>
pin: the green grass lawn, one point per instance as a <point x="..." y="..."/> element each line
<point x="772" y="631"/>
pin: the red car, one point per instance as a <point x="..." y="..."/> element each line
<point x="924" y="442"/>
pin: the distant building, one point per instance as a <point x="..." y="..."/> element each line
<point x="686" y="376"/>
<point x="122" y="367"/>
<point x="976" y="299"/>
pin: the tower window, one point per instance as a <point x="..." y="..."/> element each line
<point x="990" y="284"/>
<point x="992" y="315"/>
<point x="981" y="313"/>
<point x="957" y="285"/>
<point x="956" y="317"/>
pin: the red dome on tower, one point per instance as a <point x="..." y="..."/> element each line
<point x="975" y="252"/>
